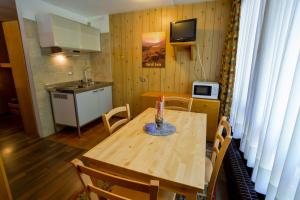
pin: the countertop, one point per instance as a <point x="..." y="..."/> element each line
<point x="77" y="86"/>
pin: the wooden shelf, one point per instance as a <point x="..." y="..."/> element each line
<point x="5" y="65"/>
<point x="190" y="45"/>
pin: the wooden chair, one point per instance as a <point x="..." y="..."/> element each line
<point x="123" y="189"/>
<point x="178" y="101"/>
<point x="106" y="117"/>
<point x="213" y="165"/>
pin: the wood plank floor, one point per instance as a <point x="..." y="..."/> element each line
<point x="91" y="135"/>
<point x="37" y="168"/>
<point x="40" y="168"/>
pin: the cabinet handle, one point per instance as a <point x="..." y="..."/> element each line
<point x="95" y="90"/>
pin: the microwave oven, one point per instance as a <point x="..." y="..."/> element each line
<point x="205" y="90"/>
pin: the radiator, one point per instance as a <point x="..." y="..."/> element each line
<point x="239" y="181"/>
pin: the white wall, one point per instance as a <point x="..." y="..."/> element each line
<point x="30" y="8"/>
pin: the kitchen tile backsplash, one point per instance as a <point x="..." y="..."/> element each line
<point x="50" y="69"/>
<point x="101" y="62"/>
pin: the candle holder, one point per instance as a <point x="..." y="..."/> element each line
<point x="159" y="122"/>
<point x="159" y="117"/>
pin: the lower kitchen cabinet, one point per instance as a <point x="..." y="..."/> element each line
<point x="92" y="104"/>
<point x="63" y="108"/>
<point x="78" y="109"/>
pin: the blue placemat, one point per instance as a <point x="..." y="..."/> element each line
<point x="167" y="129"/>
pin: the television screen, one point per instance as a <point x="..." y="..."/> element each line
<point x="183" y="31"/>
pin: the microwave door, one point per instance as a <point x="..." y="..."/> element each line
<point x="202" y="90"/>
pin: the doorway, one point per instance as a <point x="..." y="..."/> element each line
<point x="16" y="101"/>
<point x="9" y="104"/>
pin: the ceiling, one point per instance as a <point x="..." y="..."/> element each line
<point x="92" y="8"/>
<point x="8" y="10"/>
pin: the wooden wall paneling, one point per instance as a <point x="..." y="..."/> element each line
<point x="177" y="73"/>
<point x="137" y="61"/>
<point x="164" y="29"/>
<point x="151" y="71"/>
<point x="183" y="53"/>
<point x="170" y="57"/>
<point x="199" y="13"/>
<point x="125" y="52"/>
<point x="218" y="31"/>
<point x="124" y="58"/>
<point x="190" y="9"/>
<point x="208" y="38"/>
<point x="186" y="63"/>
<point x="145" y="71"/>
<point x="214" y="52"/>
<point x="116" y="59"/>
<point x="19" y="71"/>
<point x="159" y="21"/>
<point x="122" y="90"/>
<point x="134" y="68"/>
<point x="128" y="58"/>
<point x="120" y="57"/>
<point x="131" y="79"/>
<point x="113" y="36"/>
<point x="155" y="26"/>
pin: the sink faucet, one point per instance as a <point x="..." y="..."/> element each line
<point x="85" y="74"/>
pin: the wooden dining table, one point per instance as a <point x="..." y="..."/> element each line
<point x="176" y="160"/>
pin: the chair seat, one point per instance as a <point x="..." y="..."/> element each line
<point x="208" y="169"/>
<point x="136" y="195"/>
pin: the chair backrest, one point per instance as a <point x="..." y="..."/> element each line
<point x="106" y="117"/>
<point x="218" y="152"/>
<point x="85" y="173"/>
<point x="180" y="103"/>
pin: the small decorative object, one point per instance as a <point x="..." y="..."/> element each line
<point x="159" y="117"/>
<point x="154" y="49"/>
<point x="166" y="129"/>
<point x="160" y="127"/>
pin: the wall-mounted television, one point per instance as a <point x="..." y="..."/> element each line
<point x="183" y="31"/>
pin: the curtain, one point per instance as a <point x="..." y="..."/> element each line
<point x="266" y="99"/>
<point x="249" y="34"/>
<point x="229" y="60"/>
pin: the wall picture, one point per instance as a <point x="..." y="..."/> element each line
<point x="154" y="49"/>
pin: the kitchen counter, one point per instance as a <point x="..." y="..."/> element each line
<point x="77" y="103"/>
<point x="77" y="86"/>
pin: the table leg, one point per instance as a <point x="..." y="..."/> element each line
<point x="191" y="196"/>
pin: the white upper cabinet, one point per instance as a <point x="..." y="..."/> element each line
<point x="56" y="31"/>
<point x="66" y="33"/>
<point x="90" y="38"/>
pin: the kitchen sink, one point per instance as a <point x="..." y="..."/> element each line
<point x="77" y="86"/>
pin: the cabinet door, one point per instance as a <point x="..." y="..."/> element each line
<point x="63" y="108"/>
<point x="211" y="108"/>
<point x="88" y="106"/>
<point x="90" y="38"/>
<point x="66" y="33"/>
<point x="105" y="99"/>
